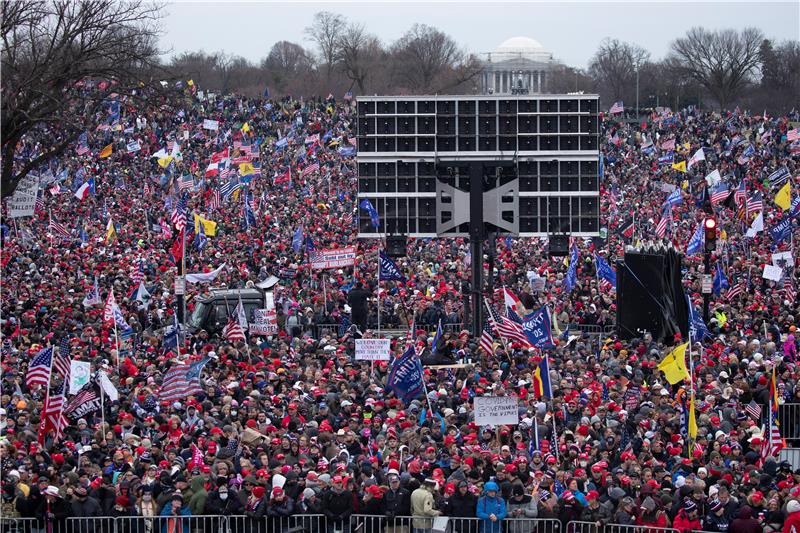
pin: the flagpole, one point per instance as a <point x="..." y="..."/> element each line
<point x="502" y="340"/>
<point x="379" y="287"/>
<point x="555" y="437"/>
<point x="102" y="413"/>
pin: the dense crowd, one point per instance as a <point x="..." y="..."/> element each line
<point x="291" y="424"/>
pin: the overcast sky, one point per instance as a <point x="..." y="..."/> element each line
<point x="571" y="30"/>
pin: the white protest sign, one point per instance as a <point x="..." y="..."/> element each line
<point x="264" y="322"/>
<point x="668" y="187"/>
<point x="373" y="349"/>
<point x="209" y="124"/>
<point x="23" y="202"/>
<point x="772" y="272"/>
<point x="783" y="259"/>
<point x="495" y="410"/>
<point x="79" y="374"/>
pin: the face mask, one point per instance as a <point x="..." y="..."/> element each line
<point x="234" y="413"/>
<point x="223" y="496"/>
<point x="584" y="463"/>
<point x="146" y="498"/>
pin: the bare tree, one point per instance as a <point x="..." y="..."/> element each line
<point x="286" y="63"/>
<point x="613" y="67"/>
<point x="61" y="59"/>
<point x="722" y="62"/>
<point x="358" y="53"/>
<point x="423" y="54"/>
<point x="326" y="30"/>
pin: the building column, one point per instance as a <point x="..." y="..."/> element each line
<point x="530" y="81"/>
<point x="539" y="80"/>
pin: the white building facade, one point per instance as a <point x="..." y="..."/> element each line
<point x="520" y="65"/>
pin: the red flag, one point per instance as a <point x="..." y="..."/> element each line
<point x="177" y="247"/>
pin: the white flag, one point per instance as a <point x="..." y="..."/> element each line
<point x="241" y="315"/>
<point x="93" y="296"/>
<point x="205" y="277"/>
<point x="698" y="156"/>
<point x="108" y="387"/>
<point x="714" y="178"/>
<point x="141" y="294"/>
<point x="757" y="226"/>
<point x="79" y="374"/>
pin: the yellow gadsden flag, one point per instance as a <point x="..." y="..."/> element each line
<point x="680" y="167"/>
<point x="784" y="197"/>
<point x="674" y="364"/>
<point x="105" y="152"/>
<point x="209" y="226"/>
<point x="692" y="420"/>
<point x="111" y="232"/>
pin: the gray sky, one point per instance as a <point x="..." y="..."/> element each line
<point x="571" y="30"/>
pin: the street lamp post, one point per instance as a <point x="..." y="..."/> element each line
<point x="637" y="90"/>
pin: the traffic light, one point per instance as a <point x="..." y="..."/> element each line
<point x="710" y="227"/>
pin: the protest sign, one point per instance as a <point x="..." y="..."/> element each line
<point x="264" y="322"/>
<point x="783" y="259"/>
<point x="373" y="349"/>
<point x="340" y="257"/>
<point x="209" y="124"/>
<point x="79" y="374"/>
<point x="23" y="202"/>
<point x="494" y="410"/>
<point x="772" y="272"/>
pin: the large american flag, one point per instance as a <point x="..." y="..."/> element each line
<point x="309" y="169"/>
<point x="741" y="193"/>
<point x="137" y="276"/>
<point x="489" y="328"/>
<point x="182" y="380"/>
<point x="754" y="410"/>
<point x="755" y="203"/>
<point x="58" y="230"/>
<point x="739" y="288"/>
<point x="720" y="193"/>
<point x="617" y="108"/>
<point x="510" y="327"/>
<point x="179" y="214"/>
<point x="39" y="369"/>
<point x="666" y="218"/>
<point x="61" y="364"/>
<point x="215" y="200"/>
<point x="773" y="443"/>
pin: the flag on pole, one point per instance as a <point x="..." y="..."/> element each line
<point x="181" y="381"/>
<point x="86" y="189"/>
<point x="695" y="244"/>
<point x="773" y="442"/>
<point x="39" y="368"/>
<point x="389" y="271"/>
<point x="373" y="214"/>
<point x="616" y="108"/>
<point x="111" y="231"/>
<point x="783" y="198"/>
<point x="674" y="364"/>
<point x="405" y="377"/>
<point x="53" y="418"/>
<point x="106" y="152"/>
<point x="93" y="295"/>
<point x="541" y="380"/>
<point x="605" y="272"/>
<point x="698" y="156"/>
<point x="720" y="280"/>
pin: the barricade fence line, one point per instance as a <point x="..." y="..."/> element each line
<point x="789" y="418"/>
<point x="314" y="523"/>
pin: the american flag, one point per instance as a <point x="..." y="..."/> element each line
<point x="773" y="443"/>
<point x="666" y="218"/>
<point x="510" y="327"/>
<point x="62" y="360"/>
<point x="166" y="232"/>
<point x="487" y="335"/>
<point x="53" y="418"/>
<point x="137" y="275"/>
<point x="86" y="395"/>
<point x="755" y="203"/>
<point x="39" y="369"/>
<point x="736" y="290"/>
<point x="617" y="108"/>
<point x="179" y="214"/>
<point x="185" y="183"/>
<point x="228" y="188"/>
<point x="233" y="331"/>
<point x="147" y="189"/>
<point x="215" y="200"/>
<point x="182" y="380"/>
<point x="740" y="195"/>
<point x="720" y="193"/>
<point x="348" y="218"/>
<point x="309" y="169"/>
<point x="58" y="230"/>
<point x="788" y="289"/>
<point x="753" y="409"/>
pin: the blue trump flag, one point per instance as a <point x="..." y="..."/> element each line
<point x="389" y="270"/>
<point x="605" y="271"/>
<point x="437" y="337"/>
<point x="674" y="198"/>
<point x="697" y="328"/>
<point x="720" y="281"/>
<point x="537" y="328"/>
<point x="794" y="210"/>
<point x="781" y="231"/>
<point x="405" y="378"/>
<point x="696" y="242"/>
<point x="297" y="239"/>
<point x="373" y="215"/>
<point x="572" y="272"/>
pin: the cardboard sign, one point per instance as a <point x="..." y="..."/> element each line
<point x="772" y="272"/>
<point x="783" y="259"/>
<point x="209" y="124"/>
<point x="340" y="257"/>
<point x="79" y="374"/>
<point x="23" y="202"/>
<point x="373" y="349"/>
<point x="264" y="322"/>
<point x="495" y="410"/>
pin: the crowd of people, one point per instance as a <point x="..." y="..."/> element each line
<point x="290" y="424"/>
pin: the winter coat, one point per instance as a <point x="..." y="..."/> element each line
<point x="397" y="502"/>
<point x="716" y="523"/>
<point x="528" y="509"/>
<point x="216" y="506"/>
<point x="491" y="506"/>
<point x="337" y="506"/>
<point x="684" y="524"/>
<point x="422" y="504"/>
<point x="792" y="523"/>
<point x="176" y="525"/>
<point x="601" y="513"/>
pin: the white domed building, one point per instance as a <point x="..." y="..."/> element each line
<point x="518" y="66"/>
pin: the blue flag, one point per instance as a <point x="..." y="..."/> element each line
<point x="373" y="215"/>
<point x="389" y="270"/>
<point x="781" y="231"/>
<point x="437" y="337"/>
<point x="572" y="272"/>
<point x="697" y="328"/>
<point x="297" y="240"/>
<point x="405" y="378"/>
<point x="200" y="240"/>
<point x="696" y="242"/>
<point x="720" y="281"/>
<point x="537" y="328"/>
<point x="674" y="198"/>
<point x="605" y="271"/>
<point x="794" y="210"/>
<point x="266" y="92"/>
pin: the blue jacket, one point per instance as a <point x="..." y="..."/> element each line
<point x="488" y="506"/>
<point x="184" y="526"/>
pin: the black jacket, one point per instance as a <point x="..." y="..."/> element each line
<point x="216" y="506"/>
<point x="461" y="506"/>
<point x="397" y="502"/>
<point x="339" y="506"/>
<point x="59" y="512"/>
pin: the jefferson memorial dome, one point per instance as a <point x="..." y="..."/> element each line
<point x="520" y="65"/>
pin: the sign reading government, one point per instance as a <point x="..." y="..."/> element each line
<point x="494" y="410"/>
<point x="340" y="257"/>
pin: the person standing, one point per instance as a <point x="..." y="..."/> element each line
<point x="491" y="509"/>
<point x="423" y="505"/>
<point x="52" y="511"/>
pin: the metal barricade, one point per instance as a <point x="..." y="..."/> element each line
<point x="326" y="329"/>
<point x="101" y="524"/>
<point x="577" y="526"/>
<point x="448" y="524"/>
<point x="18" y="525"/>
<point x="789" y="417"/>
<point x="618" y="528"/>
